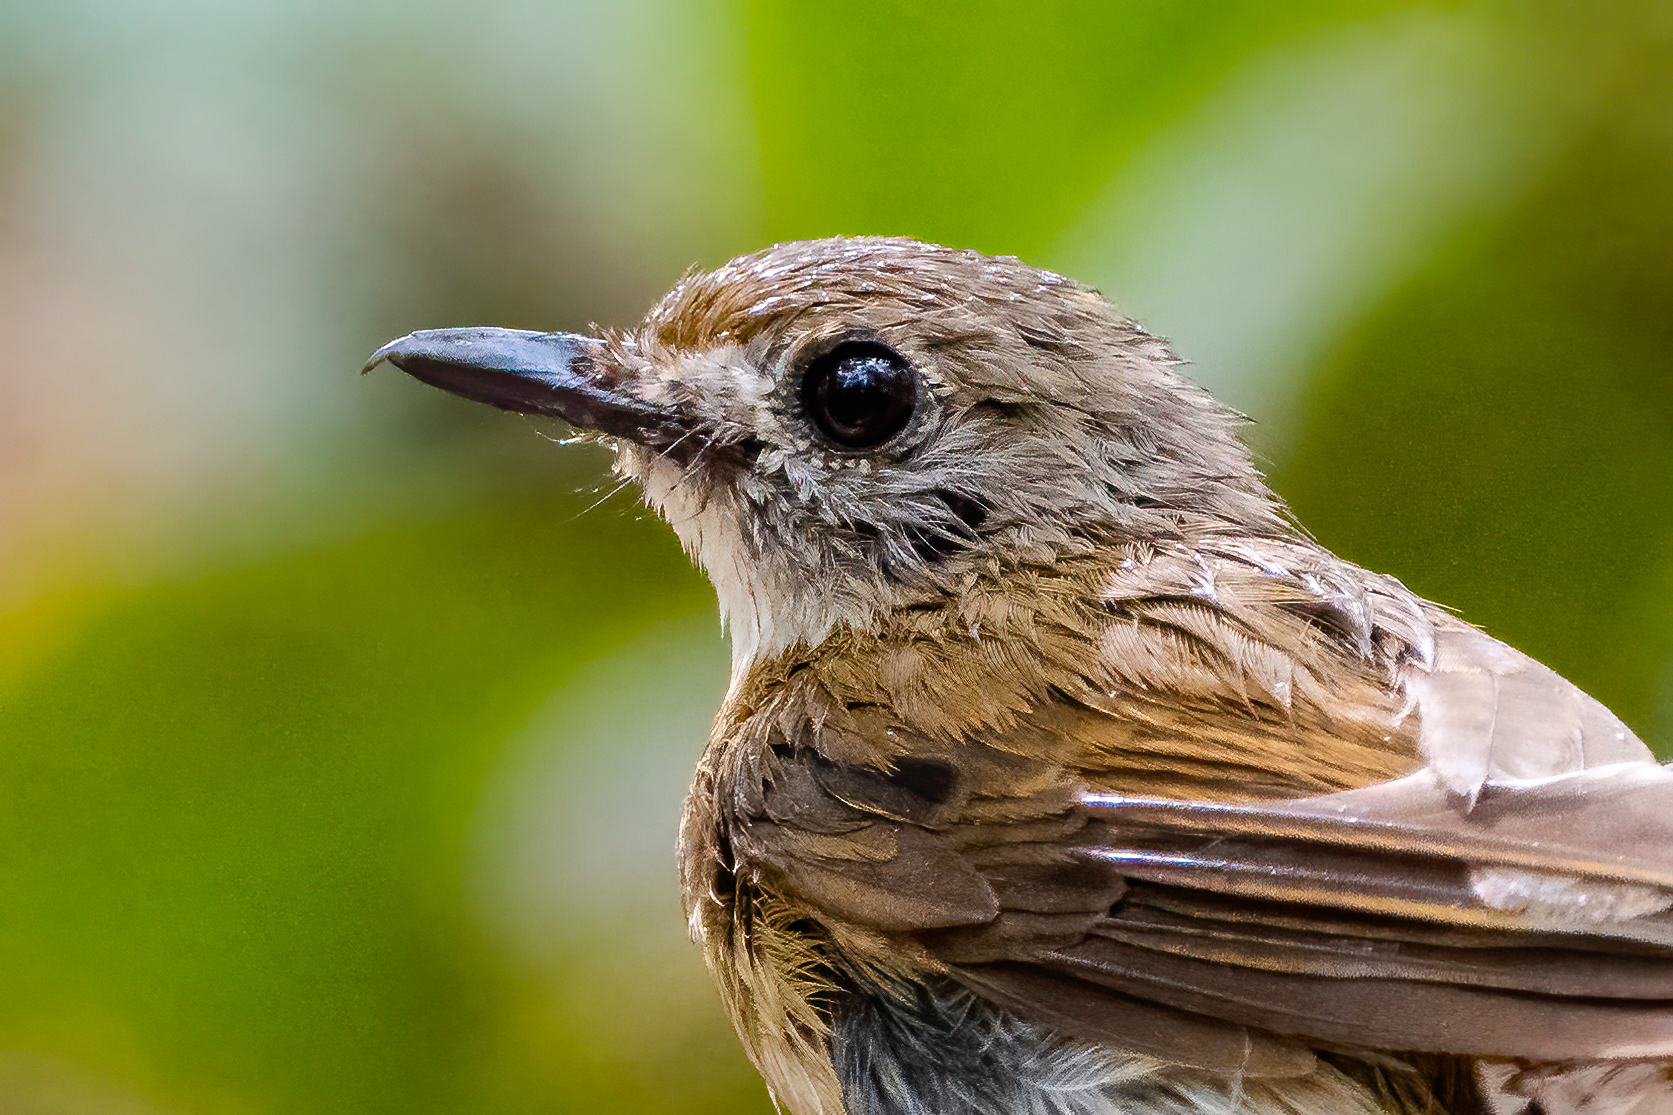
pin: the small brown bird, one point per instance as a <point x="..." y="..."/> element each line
<point x="1061" y="773"/>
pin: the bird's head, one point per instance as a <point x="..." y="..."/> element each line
<point x="836" y="428"/>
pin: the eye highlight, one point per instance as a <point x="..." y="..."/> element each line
<point x="860" y="394"/>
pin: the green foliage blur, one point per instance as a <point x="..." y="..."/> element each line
<point x="343" y="726"/>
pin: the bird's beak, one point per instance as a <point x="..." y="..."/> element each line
<point x="530" y="373"/>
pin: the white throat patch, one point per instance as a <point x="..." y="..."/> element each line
<point x="762" y="612"/>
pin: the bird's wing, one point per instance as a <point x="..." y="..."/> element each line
<point x="1510" y="899"/>
<point x="1282" y="652"/>
<point x="1534" y="924"/>
<point x="1488" y="712"/>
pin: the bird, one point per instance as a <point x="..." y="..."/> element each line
<point x="1061" y="771"/>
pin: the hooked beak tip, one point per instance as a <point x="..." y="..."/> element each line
<point x="385" y="354"/>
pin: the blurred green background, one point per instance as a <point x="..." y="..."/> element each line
<point x="342" y="737"/>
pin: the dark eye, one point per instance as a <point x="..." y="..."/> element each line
<point x="860" y="394"/>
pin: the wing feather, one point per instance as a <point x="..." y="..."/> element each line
<point x="1490" y="713"/>
<point x="1360" y="917"/>
<point x="1403" y="1013"/>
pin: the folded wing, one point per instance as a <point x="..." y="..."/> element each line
<point x="1534" y="923"/>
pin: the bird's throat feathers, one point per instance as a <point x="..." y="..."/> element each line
<point x="762" y="607"/>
